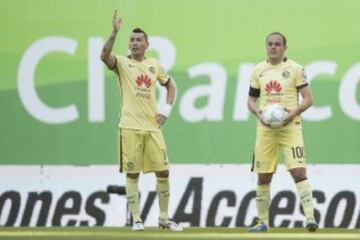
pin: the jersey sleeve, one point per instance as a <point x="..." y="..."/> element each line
<point x="254" y="90"/>
<point x="301" y="79"/>
<point x="254" y="80"/>
<point x="163" y="77"/>
<point x="119" y="65"/>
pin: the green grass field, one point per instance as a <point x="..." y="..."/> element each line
<point x="108" y="233"/>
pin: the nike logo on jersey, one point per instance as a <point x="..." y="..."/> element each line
<point x="261" y="75"/>
<point x="131" y="65"/>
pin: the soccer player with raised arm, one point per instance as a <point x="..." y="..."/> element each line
<point x="280" y="80"/>
<point x="141" y="143"/>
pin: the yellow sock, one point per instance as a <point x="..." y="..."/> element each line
<point x="262" y="202"/>
<point x="306" y="198"/>
<point x="132" y="195"/>
<point x="162" y="189"/>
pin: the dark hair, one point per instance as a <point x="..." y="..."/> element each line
<point x="139" y="30"/>
<point x="277" y="33"/>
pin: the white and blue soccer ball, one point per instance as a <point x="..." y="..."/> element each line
<point x="274" y="115"/>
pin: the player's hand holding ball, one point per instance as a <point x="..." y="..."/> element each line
<point x="274" y="115"/>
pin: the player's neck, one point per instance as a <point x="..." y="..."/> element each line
<point x="138" y="57"/>
<point x="275" y="61"/>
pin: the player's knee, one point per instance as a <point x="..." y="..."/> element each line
<point x="133" y="175"/>
<point x="299" y="179"/>
<point x="264" y="178"/>
<point x="298" y="174"/>
<point x="264" y="181"/>
<point x="162" y="174"/>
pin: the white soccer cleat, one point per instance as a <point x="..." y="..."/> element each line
<point x="138" y="226"/>
<point x="171" y="225"/>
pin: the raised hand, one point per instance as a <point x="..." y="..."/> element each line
<point x="106" y="56"/>
<point x="116" y="22"/>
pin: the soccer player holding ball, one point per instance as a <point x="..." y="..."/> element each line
<point x="142" y="146"/>
<point x="279" y="80"/>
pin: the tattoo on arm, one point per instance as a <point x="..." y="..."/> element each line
<point x="106" y="56"/>
<point x="300" y="109"/>
<point x="109" y="45"/>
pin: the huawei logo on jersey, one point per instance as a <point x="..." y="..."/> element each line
<point x="143" y="79"/>
<point x="273" y="86"/>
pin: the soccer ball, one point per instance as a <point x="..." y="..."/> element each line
<point x="274" y="115"/>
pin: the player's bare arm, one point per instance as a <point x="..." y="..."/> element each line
<point x="254" y="108"/>
<point x="170" y="97"/>
<point x="305" y="104"/>
<point x="106" y="56"/>
<point x="171" y="91"/>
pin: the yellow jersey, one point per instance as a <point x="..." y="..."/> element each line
<point x="278" y="83"/>
<point x="137" y="86"/>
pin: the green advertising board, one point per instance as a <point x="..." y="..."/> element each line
<point x="60" y="105"/>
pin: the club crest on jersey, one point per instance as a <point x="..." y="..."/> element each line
<point x="273" y="87"/>
<point x="143" y="79"/>
<point x="152" y="69"/>
<point x="286" y="74"/>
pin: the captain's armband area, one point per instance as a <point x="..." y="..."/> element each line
<point x="166" y="83"/>
<point x="302" y="86"/>
<point x="254" y="92"/>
